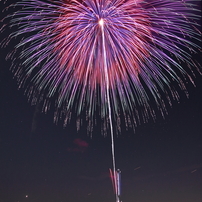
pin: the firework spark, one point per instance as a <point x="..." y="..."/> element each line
<point x="146" y="46"/>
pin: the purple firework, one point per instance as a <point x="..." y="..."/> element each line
<point x="89" y="53"/>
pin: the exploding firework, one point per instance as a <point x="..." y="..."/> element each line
<point x="68" y="47"/>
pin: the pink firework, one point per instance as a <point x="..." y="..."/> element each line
<point x="111" y="56"/>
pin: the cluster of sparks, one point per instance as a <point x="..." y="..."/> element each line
<point x="68" y="47"/>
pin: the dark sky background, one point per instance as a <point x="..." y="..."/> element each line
<point x="44" y="162"/>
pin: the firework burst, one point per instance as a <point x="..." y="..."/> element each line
<point x="146" y="46"/>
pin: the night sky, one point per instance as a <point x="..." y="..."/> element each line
<point x="44" y="162"/>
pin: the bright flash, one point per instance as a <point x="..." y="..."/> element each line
<point x="101" y="22"/>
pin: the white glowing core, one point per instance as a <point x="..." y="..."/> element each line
<point x="101" y="22"/>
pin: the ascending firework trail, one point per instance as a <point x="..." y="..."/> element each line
<point x="101" y="23"/>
